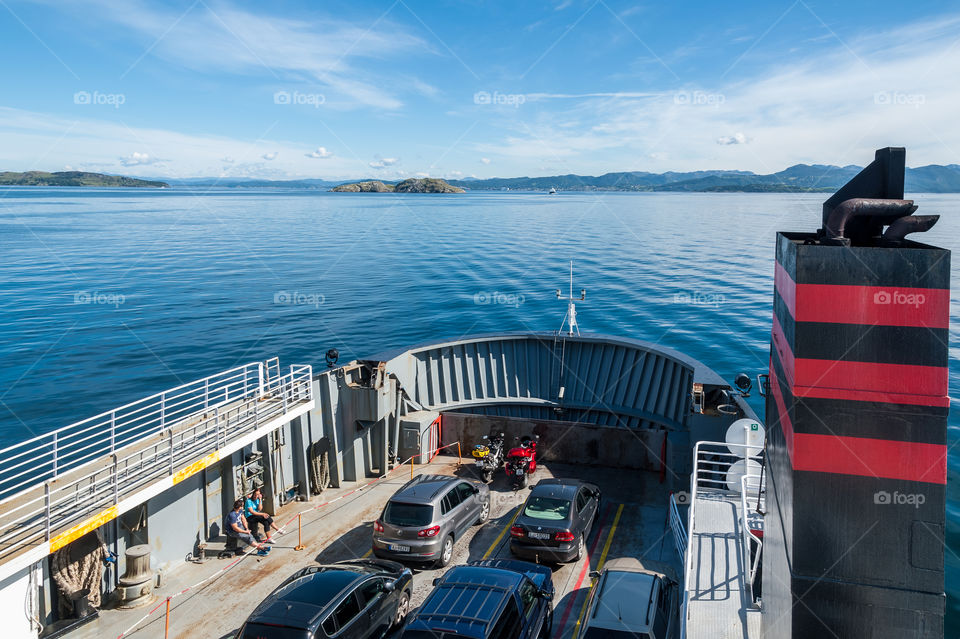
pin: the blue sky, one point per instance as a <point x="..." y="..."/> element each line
<point x="468" y="88"/>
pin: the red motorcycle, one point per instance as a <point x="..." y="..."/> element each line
<point x="521" y="462"/>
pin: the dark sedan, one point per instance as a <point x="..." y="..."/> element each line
<point x="353" y="599"/>
<point x="555" y="521"/>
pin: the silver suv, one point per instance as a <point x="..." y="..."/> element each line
<point x="423" y="519"/>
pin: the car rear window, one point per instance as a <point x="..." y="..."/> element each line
<point x="400" y="514"/>
<point x="548" y="508"/>
<point x="264" y="631"/>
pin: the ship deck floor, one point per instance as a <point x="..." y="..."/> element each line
<point x="719" y="605"/>
<point x="633" y="524"/>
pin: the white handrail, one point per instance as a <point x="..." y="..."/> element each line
<point x="31" y="518"/>
<point x="51" y="454"/>
<point x="710" y="460"/>
<point x="750" y="540"/>
<point x="677" y="527"/>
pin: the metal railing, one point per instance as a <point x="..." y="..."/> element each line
<point x="711" y="462"/>
<point x="677" y="528"/>
<point x="79" y="470"/>
<point x="752" y="507"/>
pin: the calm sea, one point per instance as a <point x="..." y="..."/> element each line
<point x="111" y="295"/>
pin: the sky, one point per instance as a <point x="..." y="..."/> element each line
<point x="389" y="90"/>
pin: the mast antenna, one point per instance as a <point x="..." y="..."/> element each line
<point x="570" y="319"/>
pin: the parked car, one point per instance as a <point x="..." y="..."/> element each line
<point x="493" y="598"/>
<point x="352" y="599"/>
<point x="555" y="521"/>
<point x="423" y="519"/>
<point x="633" y="601"/>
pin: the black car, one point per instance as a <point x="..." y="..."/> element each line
<point x="350" y="599"/>
<point x="555" y="520"/>
<point x="489" y="599"/>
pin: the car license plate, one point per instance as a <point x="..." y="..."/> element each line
<point x="519" y="471"/>
<point x="536" y="535"/>
<point x="398" y="548"/>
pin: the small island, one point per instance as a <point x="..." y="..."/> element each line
<point x="74" y="178"/>
<point x="412" y="185"/>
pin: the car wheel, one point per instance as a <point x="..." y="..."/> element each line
<point x="446" y="552"/>
<point x="484" y="512"/>
<point x="403" y="607"/>
<point x="579" y="548"/>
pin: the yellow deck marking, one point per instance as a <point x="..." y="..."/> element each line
<point x="196" y="467"/>
<point x="82" y="528"/>
<point x="367" y="554"/>
<point x="496" y="542"/>
<point x="603" y="559"/>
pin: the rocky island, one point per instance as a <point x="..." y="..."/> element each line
<point x="73" y="178"/>
<point x="412" y="185"/>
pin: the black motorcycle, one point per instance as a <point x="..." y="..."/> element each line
<point x="489" y="456"/>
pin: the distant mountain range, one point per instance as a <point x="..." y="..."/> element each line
<point x="800" y="178"/>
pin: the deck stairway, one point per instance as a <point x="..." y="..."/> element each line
<point x="721" y="556"/>
<point x="58" y="486"/>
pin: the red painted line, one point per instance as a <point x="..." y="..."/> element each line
<point x="867" y="305"/>
<point x="860" y="456"/>
<point x="583" y="572"/>
<point x="867" y="457"/>
<point x="906" y="379"/>
<point x="784" y="350"/>
<point x="784" y="420"/>
<point x="786" y="287"/>
<point x="942" y="401"/>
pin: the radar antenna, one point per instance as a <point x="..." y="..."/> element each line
<point x="570" y="319"/>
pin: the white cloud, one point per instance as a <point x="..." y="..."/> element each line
<point x="383" y="163"/>
<point x="139" y="159"/>
<point x="227" y="160"/>
<point x="485" y="160"/>
<point x="272" y="155"/>
<point x="738" y="138"/>
<point x="836" y="106"/>
<point x="218" y="36"/>
<point x="320" y="153"/>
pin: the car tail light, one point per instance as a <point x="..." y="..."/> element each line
<point x="377" y="526"/>
<point x="429" y="532"/>
<point x="565" y="535"/>
<point x="517" y="531"/>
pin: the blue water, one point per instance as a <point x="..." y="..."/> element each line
<point x="111" y="295"/>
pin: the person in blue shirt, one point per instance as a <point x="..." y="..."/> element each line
<point x="235" y="525"/>
<point x="253" y="511"/>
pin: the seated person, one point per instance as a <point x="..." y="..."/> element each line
<point x="235" y="525"/>
<point x="253" y="511"/>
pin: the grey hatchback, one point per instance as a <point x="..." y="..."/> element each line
<point x="555" y="521"/>
<point x="427" y="515"/>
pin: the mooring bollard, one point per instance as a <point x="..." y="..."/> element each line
<point x="299" y="532"/>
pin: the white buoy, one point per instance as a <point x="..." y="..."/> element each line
<point x="745" y="432"/>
